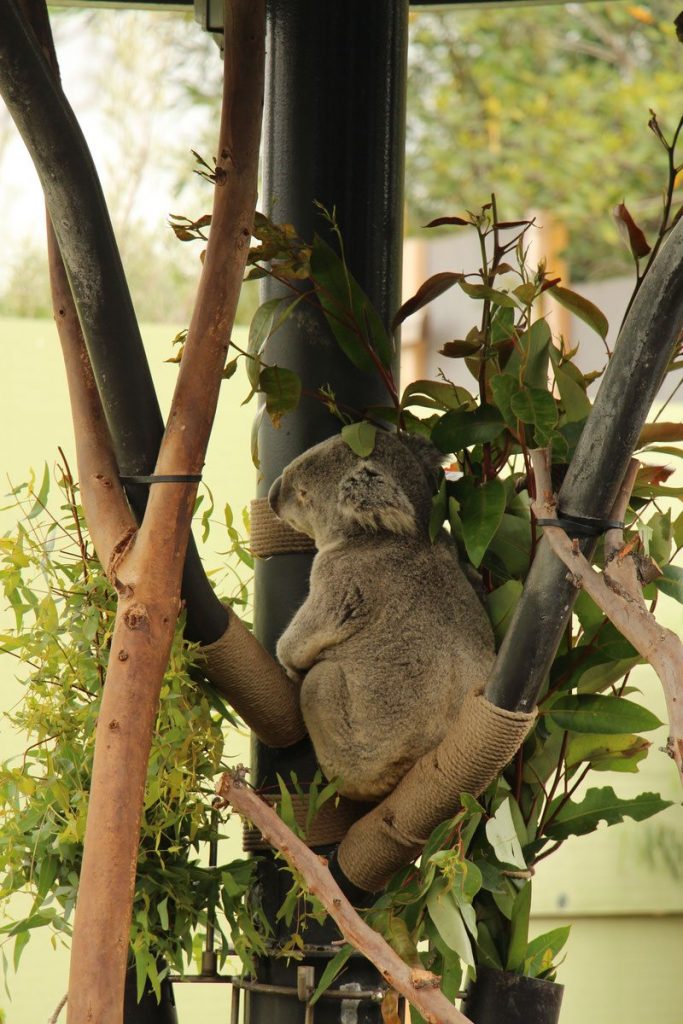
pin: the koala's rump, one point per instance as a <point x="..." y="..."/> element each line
<point x="377" y="701"/>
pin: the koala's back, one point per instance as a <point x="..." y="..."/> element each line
<point x="385" y="695"/>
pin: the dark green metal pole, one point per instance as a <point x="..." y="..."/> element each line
<point x="334" y="132"/>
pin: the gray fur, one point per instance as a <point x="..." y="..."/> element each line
<point x="392" y="634"/>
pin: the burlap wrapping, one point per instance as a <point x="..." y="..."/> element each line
<point x="271" y="536"/>
<point x="483" y="740"/>
<point x="328" y="826"/>
<point x="254" y="685"/>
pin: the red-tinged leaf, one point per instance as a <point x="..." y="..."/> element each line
<point x="653" y="475"/>
<point x="514" y="224"/>
<point x="440" y="221"/>
<point x="549" y="282"/>
<point x="631" y="233"/>
<point x="427" y="292"/>
<point x="581" y="307"/>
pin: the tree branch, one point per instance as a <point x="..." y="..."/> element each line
<point x="420" y="987"/>
<point x="659" y="646"/>
<point x="107" y="513"/>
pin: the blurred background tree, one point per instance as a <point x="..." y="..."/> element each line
<point x="548" y="107"/>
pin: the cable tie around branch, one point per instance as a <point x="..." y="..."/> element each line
<point x="163" y="478"/>
<point x="581" y="526"/>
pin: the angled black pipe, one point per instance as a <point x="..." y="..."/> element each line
<point x="645" y="346"/>
<point x="81" y="221"/>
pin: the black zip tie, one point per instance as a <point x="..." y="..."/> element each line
<point x="173" y="478"/>
<point x="581" y="526"/>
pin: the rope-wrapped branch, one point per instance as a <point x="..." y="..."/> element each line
<point x="482" y="742"/>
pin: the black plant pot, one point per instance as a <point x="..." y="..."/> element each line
<point x="148" y="1010"/>
<point x="497" y="997"/>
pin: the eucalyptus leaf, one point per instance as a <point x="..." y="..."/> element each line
<point x="331" y="971"/>
<point x="597" y="713"/>
<point x="360" y="437"/>
<point x="282" y="390"/>
<point x="448" y="921"/>
<point x="519" y="932"/>
<point x="458" y="430"/>
<point x="481" y="512"/>
<point x="581" y="307"/>
<point x="542" y="950"/>
<point x="536" y="406"/>
<point x="352" y="318"/>
<point x="621" y="753"/>
<point x="502" y="835"/>
<point x="579" y="818"/>
<point x="501" y="605"/>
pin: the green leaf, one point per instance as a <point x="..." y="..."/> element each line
<point x="661" y="537"/>
<point x="575" y="401"/>
<point x="504" y="386"/>
<point x="519" y="932"/>
<point x="671" y="583"/>
<point x="530" y="357"/>
<point x="620" y="753"/>
<point x="360" y="437"/>
<point x="461" y="348"/>
<point x="502" y="835"/>
<point x="427" y="292"/>
<point x="162" y="911"/>
<point x="482" y="291"/>
<point x="331" y="971"/>
<point x="581" y="307"/>
<point x="260" y="330"/>
<point x="458" y="430"/>
<point x="597" y="713"/>
<point x="351" y="316"/>
<point x="19" y="946"/>
<point x="542" y="950"/>
<point x="436" y="394"/>
<point x="282" y="389"/>
<point x="577" y="819"/>
<point x="448" y="921"/>
<point x="501" y="605"/>
<point x="41" y="497"/>
<point x="486" y="948"/>
<point x="286" y="807"/>
<point x="481" y="511"/>
<point x="512" y="544"/>
<point x="537" y="406"/>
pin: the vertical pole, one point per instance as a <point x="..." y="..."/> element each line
<point x="333" y="132"/>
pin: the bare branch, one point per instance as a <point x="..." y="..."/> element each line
<point x="106" y="510"/>
<point x="421" y="988"/>
<point x="658" y="645"/>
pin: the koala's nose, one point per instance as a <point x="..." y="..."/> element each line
<point x="274" y="494"/>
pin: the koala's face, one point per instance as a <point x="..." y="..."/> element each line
<point x="329" y="492"/>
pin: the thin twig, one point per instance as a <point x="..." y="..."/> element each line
<point x="60" y="1006"/>
<point x="658" y="645"/>
<point x="420" y="987"/>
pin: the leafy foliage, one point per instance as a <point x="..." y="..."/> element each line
<point x="470" y="895"/>
<point x="531" y="126"/>
<point x="64" y="614"/>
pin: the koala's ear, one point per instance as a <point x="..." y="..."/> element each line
<point x="429" y="457"/>
<point x="373" y="500"/>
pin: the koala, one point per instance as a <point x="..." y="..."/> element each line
<point x="392" y="634"/>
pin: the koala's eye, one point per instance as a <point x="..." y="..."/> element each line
<point x="301" y="493"/>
